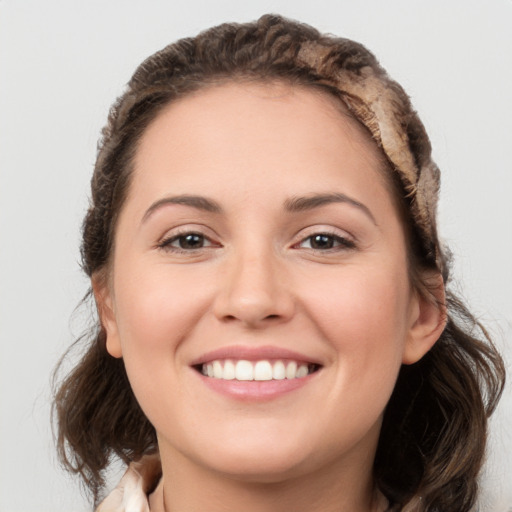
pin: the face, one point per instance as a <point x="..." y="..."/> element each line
<point x="258" y="291"/>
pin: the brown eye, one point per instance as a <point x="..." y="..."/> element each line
<point x="186" y="242"/>
<point x="190" y="241"/>
<point x="322" y="241"/>
<point x="325" y="242"/>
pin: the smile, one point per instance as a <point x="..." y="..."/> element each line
<point x="262" y="370"/>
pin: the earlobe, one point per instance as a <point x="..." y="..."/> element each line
<point x="105" y="306"/>
<point x="428" y="320"/>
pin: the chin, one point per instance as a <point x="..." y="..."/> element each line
<point x="261" y="468"/>
<point x="263" y="461"/>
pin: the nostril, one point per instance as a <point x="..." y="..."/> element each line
<point x="252" y="304"/>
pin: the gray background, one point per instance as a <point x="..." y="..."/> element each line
<point x="61" y="66"/>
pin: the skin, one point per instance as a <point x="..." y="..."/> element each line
<point x="259" y="281"/>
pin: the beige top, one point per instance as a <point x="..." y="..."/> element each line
<point x="141" y="490"/>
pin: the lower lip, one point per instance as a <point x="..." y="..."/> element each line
<point x="254" y="390"/>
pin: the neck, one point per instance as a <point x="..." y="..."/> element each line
<point x="189" y="487"/>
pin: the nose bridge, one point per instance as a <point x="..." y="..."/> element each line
<point x="253" y="286"/>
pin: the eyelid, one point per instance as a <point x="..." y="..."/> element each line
<point x="341" y="241"/>
<point x="164" y="242"/>
<point x="345" y="241"/>
<point x="174" y="238"/>
<point x="325" y="229"/>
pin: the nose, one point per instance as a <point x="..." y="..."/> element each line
<point x="254" y="290"/>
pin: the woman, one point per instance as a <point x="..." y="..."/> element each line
<point x="274" y="328"/>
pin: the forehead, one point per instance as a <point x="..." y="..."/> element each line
<point x="254" y="147"/>
<point x="241" y="119"/>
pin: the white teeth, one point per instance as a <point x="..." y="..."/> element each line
<point x="217" y="370"/>
<point x="254" y="370"/>
<point x="229" y="371"/>
<point x="244" y="370"/>
<point x="302" y="371"/>
<point x="291" y="370"/>
<point x="278" y="371"/>
<point x="262" y="370"/>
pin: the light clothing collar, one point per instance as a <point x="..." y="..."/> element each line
<point x="137" y="489"/>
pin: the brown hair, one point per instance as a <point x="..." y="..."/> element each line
<point x="433" y="436"/>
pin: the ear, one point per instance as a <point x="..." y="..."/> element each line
<point x="105" y="306"/>
<point x="427" y="321"/>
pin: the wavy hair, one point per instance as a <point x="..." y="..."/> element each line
<point x="434" y="430"/>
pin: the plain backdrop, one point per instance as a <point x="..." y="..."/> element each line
<point x="62" y="63"/>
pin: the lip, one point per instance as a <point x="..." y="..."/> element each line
<point x="255" y="391"/>
<point x="254" y="354"/>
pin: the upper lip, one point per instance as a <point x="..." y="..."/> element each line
<point x="252" y="353"/>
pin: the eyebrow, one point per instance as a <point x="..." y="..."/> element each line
<point x="293" y="204"/>
<point x="300" y="204"/>
<point x="199" y="202"/>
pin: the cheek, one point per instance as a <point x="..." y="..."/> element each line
<point x="365" y="319"/>
<point x="156" y="308"/>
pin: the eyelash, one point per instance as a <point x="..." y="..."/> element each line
<point x="339" y="243"/>
<point x="342" y="242"/>
<point x="166" y="243"/>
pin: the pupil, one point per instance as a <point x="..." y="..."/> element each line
<point x="191" y="241"/>
<point x="322" y="242"/>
